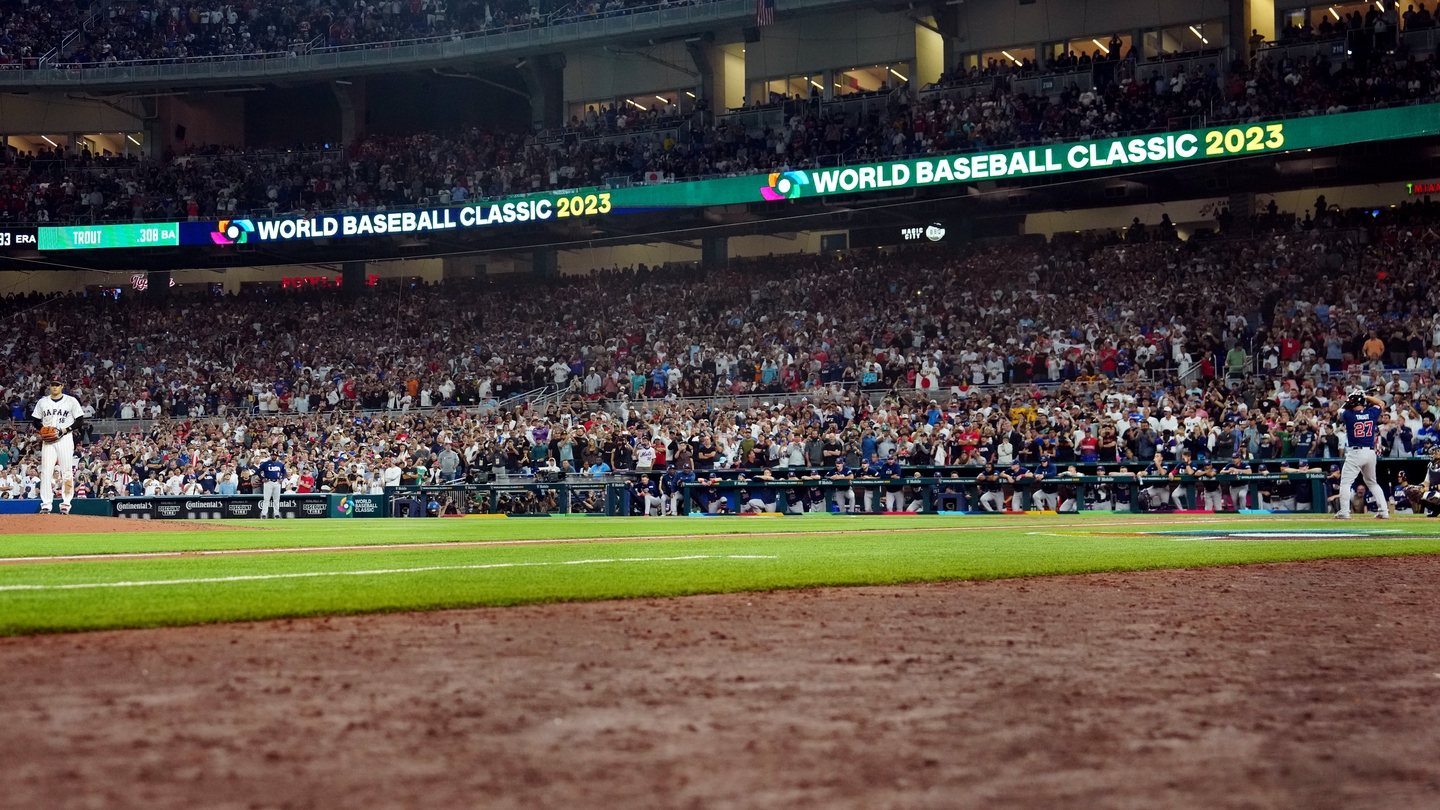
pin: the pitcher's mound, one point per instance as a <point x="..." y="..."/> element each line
<point x="93" y="524"/>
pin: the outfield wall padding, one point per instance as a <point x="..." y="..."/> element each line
<point x="218" y="507"/>
<point x="79" y="506"/>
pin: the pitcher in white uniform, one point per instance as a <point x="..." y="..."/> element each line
<point x="58" y="416"/>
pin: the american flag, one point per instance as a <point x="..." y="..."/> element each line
<point x="764" y="12"/>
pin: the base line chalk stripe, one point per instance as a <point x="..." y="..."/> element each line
<point x="370" y="572"/>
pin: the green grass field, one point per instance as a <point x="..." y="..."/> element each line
<point x="213" y="582"/>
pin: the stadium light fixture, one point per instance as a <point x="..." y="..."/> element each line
<point x="633" y="103"/>
<point x="1200" y="35"/>
<point x="690" y="94"/>
<point x="662" y="98"/>
<point x="1333" y="14"/>
<point x="1007" y="55"/>
<point x="46" y="138"/>
<point x="1101" y="47"/>
<point x="897" y="74"/>
<point x="818" y="86"/>
<point x="131" y="138"/>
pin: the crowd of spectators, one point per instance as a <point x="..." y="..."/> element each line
<point x="29" y="29"/>
<point x="386" y="172"/>
<point x="144" y="29"/>
<point x="1086" y="348"/>
<point x="1065" y="61"/>
<point x="1265" y="87"/>
<point x="174" y="30"/>
<point x="630" y="116"/>
<point x="1376" y="28"/>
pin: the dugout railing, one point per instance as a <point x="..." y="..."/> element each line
<point x="944" y="489"/>
<point x="516" y="497"/>
<point x="928" y="495"/>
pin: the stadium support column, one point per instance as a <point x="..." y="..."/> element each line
<point x="545" y="82"/>
<point x="1242" y="209"/>
<point x="714" y="252"/>
<point x="153" y="128"/>
<point x="699" y="49"/>
<point x="947" y="22"/>
<point x="352" y="278"/>
<point x="350" y="96"/>
<point x="158" y="285"/>
<point x="1239" y="27"/>
<point x="545" y="263"/>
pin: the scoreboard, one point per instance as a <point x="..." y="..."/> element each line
<point x="75" y="237"/>
<point x="22" y="238"/>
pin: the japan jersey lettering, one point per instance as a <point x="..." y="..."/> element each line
<point x="58" y="413"/>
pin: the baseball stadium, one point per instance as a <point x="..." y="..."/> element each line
<point x="719" y="404"/>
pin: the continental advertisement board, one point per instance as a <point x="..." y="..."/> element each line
<point x="220" y="507"/>
<point x="1183" y="147"/>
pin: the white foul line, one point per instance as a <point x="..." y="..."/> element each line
<point x="370" y="572"/>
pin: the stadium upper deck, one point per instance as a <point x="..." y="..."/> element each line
<point x="188" y="115"/>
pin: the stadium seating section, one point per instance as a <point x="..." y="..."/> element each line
<point x="217" y="182"/>
<point x="1239" y="342"/>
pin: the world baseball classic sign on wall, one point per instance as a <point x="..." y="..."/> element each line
<point x="350" y="506"/>
<point x="1127" y="153"/>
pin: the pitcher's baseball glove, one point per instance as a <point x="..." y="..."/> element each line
<point x="49" y="434"/>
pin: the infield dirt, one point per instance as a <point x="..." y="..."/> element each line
<point x="1304" y="685"/>
<point x="94" y="524"/>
